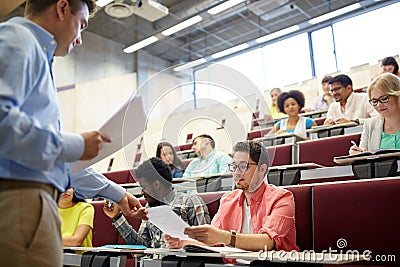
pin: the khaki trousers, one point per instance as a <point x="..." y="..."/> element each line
<point x="30" y="227"/>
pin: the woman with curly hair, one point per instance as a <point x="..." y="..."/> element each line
<point x="167" y="153"/>
<point x="291" y="103"/>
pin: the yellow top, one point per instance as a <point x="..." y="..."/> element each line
<point x="81" y="213"/>
<point x="275" y="113"/>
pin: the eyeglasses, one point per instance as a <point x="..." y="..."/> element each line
<point x="381" y="99"/>
<point x="242" y="166"/>
<point x="336" y="89"/>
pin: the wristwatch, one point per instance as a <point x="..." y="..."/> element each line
<point x="233" y="238"/>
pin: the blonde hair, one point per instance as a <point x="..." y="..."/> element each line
<point x="387" y="82"/>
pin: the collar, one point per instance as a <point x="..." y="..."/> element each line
<point x="256" y="197"/>
<point x="209" y="156"/>
<point x="45" y="39"/>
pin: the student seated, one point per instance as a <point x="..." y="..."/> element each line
<point x="76" y="220"/>
<point x="208" y="161"/>
<point x="274" y="110"/>
<point x="349" y="106"/>
<point x="326" y="99"/>
<point x="390" y="65"/>
<point x="255" y="216"/>
<point x="167" y="153"/>
<point x="382" y="131"/>
<point x="155" y="178"/>
<point x="291" y="103"/>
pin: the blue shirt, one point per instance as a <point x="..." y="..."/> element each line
<point x="32" y="145"/>
<point x="216" y="162"/>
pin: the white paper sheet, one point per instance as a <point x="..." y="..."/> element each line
<point x="123" y="127"/>
<point x="168" y="221"/>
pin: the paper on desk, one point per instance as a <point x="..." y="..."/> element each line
<point x="168" y="221"/>
<point x="123" y="127"/>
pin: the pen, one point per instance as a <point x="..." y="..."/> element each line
<point x="354" y="143"/>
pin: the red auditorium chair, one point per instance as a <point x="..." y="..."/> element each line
<point x="119" y="177"/>
<point x="303" y="216"/>
<point x="320" y="121"/>
<point x="257" y="133"/>
<point x="362" y="215"/>
<point x="323" y="150"/>
<point x="103" y="231"/>
<point x="280" y="154"/>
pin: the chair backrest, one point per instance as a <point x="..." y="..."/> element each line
<point x="119" y="177"/>
<point x="280" y="154"/>
<point x="362" y="215"/>
<point x="103" y="232"/>
<point x="322" y="151"/>
<point x="303" y="216"/>
<point x="212" y="200"/>
<point x="258" y="133"/>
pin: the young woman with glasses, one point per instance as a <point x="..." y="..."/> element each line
<point x="382" y="131"/>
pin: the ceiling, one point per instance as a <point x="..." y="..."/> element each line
<point x="239" y="24"/>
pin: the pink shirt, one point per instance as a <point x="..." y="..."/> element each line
<point x="272" y="212"/>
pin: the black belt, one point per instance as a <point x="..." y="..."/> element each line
<point x="10" y="184"/>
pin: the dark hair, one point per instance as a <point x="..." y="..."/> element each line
<point x="38" y="6"/>
<point x="177" y="163"/>
<point x="76" y="199"/>
<point x="295" y="94"/>
<point x="387" y="61"/>
<point x="256" y="150"/>
<point x="343" y="79"/>
<point x="154" y="169"/>
<point x="326" y="79"/>
<point x="212" y="142"/>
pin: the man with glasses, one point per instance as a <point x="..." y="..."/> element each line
<point x="255" y="216"/>
<point x="349" y="106"/>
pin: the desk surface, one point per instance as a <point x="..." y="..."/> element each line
<point x="278" y="136"/>
<point x="345" y="160"/>
<point x="272" y="256"/>
<point x="315" y="112"/>
<point x="302" y="166"/>
<point x="209" y="176"/>
<point x="317" y="129"/>
<point x="300" y="257"/>
<point x="104" y="249"/>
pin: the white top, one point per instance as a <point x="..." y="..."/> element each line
<point x="246" y="226"/>
<point x="300" y="128"/>
<point x="357" y="107"/>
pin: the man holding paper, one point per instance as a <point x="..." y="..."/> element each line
<point x="255" y="216"/>
<point x="34" y="151"/>
<point x="155" y="178"/>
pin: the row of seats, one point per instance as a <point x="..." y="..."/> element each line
<point x="356" y="215"/>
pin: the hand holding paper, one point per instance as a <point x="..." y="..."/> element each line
<point x="168" y="221"/>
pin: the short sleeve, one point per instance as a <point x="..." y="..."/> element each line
<point x="309" y="122"/>
<point x="87" y="216"/>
